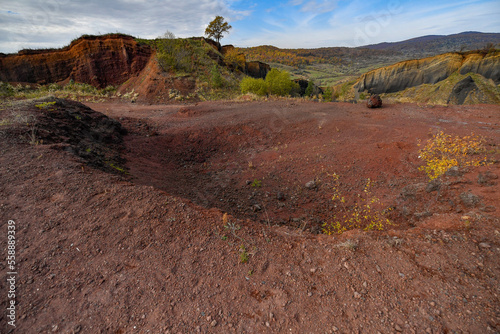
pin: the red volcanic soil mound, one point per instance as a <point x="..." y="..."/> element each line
<point x="149" y="249"/>
<point x="97" y="60"/>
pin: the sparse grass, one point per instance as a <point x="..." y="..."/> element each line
<point x="243" y="254"/>
<point x="444" y="151"/>
<point x="72" y="90"/>
<point x="256" y="183"/>
<point x="361" y="213"/>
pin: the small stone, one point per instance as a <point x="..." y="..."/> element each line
<point x="378" y="268"/>
<point x="209" y="318"/>
<point x="335" y="329"/>
<point x="432" y="304"/>
<point x="268" y="324"/>
<point x="484" y="245"/>
<point x="365" y="285"/>
<point x="213" y="323"/>
<point x="313" y="270"/>
<point x="309" y="294"/>
<point x="311" y="185"/>
<point x="398" y="328"/>
<point x="469" y="199"/>
<point x="357" y="294"/>
<point x="257" y="207"/>
<point x="428" y="331"/>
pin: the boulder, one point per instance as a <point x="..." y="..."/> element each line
<point x="374" y="102"/>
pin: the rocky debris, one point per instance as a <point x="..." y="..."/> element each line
<point x="486" y="179"/>
<point x="311" y="185"/>
<point x="469" y="199"/>
<point x="374" y="102"/>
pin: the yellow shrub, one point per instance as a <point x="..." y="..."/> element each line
<point x="362" y="214"/>
<point x="444" y="151"/>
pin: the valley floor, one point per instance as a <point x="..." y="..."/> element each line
<point x="152" y="251"/>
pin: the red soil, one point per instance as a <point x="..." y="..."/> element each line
<point x="149" y="253"/>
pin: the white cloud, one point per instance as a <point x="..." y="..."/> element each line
<point x="54" y="23"/>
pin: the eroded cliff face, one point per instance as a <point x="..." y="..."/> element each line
<point x="97" y="60"/>
<point x="430" y="70"/>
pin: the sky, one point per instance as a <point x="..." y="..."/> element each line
<point x="282" y="23"/>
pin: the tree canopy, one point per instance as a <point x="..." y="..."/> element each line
<point x="217" y="28"/>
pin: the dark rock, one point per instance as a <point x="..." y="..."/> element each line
<point x="489" y="208"/>
<point x="462" y="90"/>
<point x="454" y="171"/>
<point x="280" y="196"/>
<point x="434" y="185"/>
<point x="486" y="179"/>
<point x="257" y="69"/>
<point x="374" y="102"/>
<point x="469" y="199"/>
<point x="311" y="185"/>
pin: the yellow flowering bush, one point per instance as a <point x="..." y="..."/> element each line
<point x="444" y="151"/>
<point x="362" y="214"/>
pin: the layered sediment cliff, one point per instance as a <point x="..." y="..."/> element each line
<point x="430" y="70"/>
<point x="97" y="60"/>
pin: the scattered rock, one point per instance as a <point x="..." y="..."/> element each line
<point x="434" y="185"/>
<point x="469" y="199"/>
<point x="213" y="323"/>
<point x="454" y="171"/>
<point x="398" y="328"/>
<point x="374" y="102"/>
<point x="357" y="294"/>
<point x="311" y="185"/>
<point x="484" y="245"/>
<point x="486" y="178"/>
<point x="280" y="196"/>
<point x="489" y="208"/>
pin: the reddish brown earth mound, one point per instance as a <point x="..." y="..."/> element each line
<point x="96" y="60"/>
<point x="103" y="253"/>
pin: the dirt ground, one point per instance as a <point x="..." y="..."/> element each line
<point x="120" y="224"/>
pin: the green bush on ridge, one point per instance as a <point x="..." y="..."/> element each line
<point x="276" y="83"/>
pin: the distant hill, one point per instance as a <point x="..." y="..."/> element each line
<point x="438" y="44"/>
<point x="332" y="65"/>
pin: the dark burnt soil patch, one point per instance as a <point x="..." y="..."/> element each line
<point x="70" y="126"/>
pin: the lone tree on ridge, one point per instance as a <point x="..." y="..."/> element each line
<point x="217" y="28"/>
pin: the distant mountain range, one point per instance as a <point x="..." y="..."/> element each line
<point x="438" y="44"/>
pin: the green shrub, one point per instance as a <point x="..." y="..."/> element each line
<point x="255" y="86"/>
<point x="217" y="80"/>
<point x="176" y="54"/>
<point x="328" y="94"/>
<point x="276" y="83"/>
<point x="310" y="89"/>
<point x="279" y="83"/>
<point x="6" y="89"/>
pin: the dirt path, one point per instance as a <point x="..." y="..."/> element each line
<point x="149" y="252"/>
